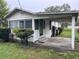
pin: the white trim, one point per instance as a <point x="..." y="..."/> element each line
<point x="33" y="24"/>
<point x="73" y="32"/>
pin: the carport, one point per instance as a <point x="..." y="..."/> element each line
<point x="61" y="17"/>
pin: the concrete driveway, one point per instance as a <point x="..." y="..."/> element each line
<point x="59" y="43"/>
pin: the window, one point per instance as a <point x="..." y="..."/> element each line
<point x="13" y="24"/>
<point x="44" y="24"/>
<point x="41" y="26"/>
<point x="28" y="24"/>
<point x="36" y="24"/>
<point x="50" y="25"/>
<point x="21" y="24"/>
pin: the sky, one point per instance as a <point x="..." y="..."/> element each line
<point x="40" y="5"/>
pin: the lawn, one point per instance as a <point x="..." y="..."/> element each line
<point x="15" y="51"/>
<point x="67" y="33"/>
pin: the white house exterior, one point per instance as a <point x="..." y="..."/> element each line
<point x="40" y="23"/>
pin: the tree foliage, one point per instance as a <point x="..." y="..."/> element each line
<point x="3" y="12"/>
<point x="64" y="7"/>
<point x="3" y="9"/>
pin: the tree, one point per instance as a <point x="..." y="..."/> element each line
<point x="3" y="10"/>
<point x="64" y="7"/>
<point x="52" y="9"/>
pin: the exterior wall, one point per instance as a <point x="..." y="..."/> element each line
<point x="20" y="16"/>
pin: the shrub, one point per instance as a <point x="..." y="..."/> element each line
<point x="15" y="30"/>
<point x="23" y="34"/>
<point x="4" y="33"/>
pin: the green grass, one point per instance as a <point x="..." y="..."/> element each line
<point x="67" y="33"/>
<point x="15" y="51"/>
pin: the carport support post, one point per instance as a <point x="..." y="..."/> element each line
<point x="73" y="32"/>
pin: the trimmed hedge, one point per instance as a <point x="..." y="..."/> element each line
<point x="4" y="33"/>
<point x="23" y="34"/>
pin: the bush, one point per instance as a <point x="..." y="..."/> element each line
<point x="4" y="33"/>
<point x="15" y="30"/>
<point x="23" y="34"/>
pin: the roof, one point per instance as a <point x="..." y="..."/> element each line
<point x="62" y="12"/>
<point x="41" y="13"/>
<point x="15" y="10"/>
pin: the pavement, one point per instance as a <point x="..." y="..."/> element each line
<point x="59" y="43"/>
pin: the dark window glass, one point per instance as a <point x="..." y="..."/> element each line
<point x="21" y="24"/>
<point x="49" y="24"/>
<point x="36" y="24"/>
<point x="28" y="24"/>
<point x="41" y="26"/>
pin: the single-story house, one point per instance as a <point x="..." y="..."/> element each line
<point x="40" y="22"/>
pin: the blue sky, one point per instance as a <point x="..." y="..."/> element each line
<point x="39" y="5"/>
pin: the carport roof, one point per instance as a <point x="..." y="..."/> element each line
<point x="62" y="12"/>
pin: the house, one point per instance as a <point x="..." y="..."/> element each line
<point x="40" y="22"/>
